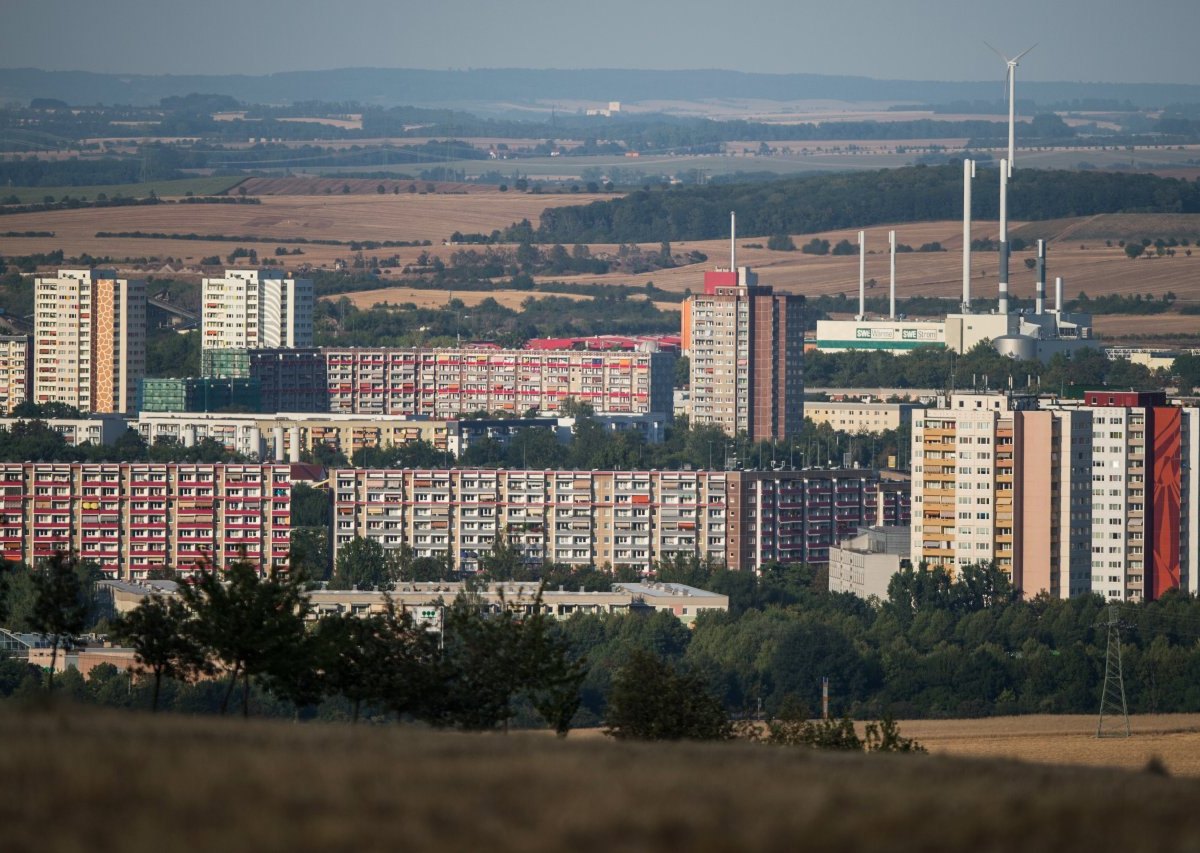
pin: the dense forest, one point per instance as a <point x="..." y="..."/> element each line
<point x="808" y="204"/>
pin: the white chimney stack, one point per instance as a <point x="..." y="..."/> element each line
<point x="862" y="275"/>
<point x="732" y="241"/>
<point x="968" y="174"/>
<point x="892" y="279"/>
<point x="1058" y="301"/>
<point x="1003" y="302"/>
<point x="1040" y="296"/>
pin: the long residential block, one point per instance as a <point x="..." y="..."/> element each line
<point x="134" y="518"/>
<point x="615" y="519"/>
<point x="449" y="382"/>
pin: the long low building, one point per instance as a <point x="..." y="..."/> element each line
<point x="426" y="600"/>
<point x="616" y="519"/>
<point x="135" y="518"/>
<point x="285" y="436"/>
<point x="856" y="417"/>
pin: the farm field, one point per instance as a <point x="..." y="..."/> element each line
<point x="1066" y="739"/>
<point x="235" y="785"/>
<point x="424" y="298"/>
<point x="338" y="217"/>
<point x="163" y="189"/>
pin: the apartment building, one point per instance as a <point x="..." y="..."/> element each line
<point x="746" y="351"/>
<point x="856" y="417"/>
<point x="287" y="380"/>
<point x="16" y="353"/>
<point x="440" y="383"/>
<point x="134" y="518"/>
<point x="89" y="340"/>
<point x="620" y="519"/>
<point x="997" y="479"/>
<point x="1144" y="494"/>
<point x="797" y="516"/>
<point x="865" y="563"/>
<point x="256" y="309"/>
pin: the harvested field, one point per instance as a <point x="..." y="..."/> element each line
<point x="1066" y="739"/>
<point x="338" y="217"/>
<point x="232" y="785"/>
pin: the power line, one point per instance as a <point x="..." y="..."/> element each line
<point x="1114" y="681"/>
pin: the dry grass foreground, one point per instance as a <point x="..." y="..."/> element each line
<point x="123" y="782"/>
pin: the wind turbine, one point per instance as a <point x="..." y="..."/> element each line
<point x="1011" y="85"/>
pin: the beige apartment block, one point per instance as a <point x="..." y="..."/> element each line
<point x="89" y="340"/>
<point x="256" y="309"/>
<point x="860" y="417"/>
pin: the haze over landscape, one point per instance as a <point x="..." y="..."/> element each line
<point x="394" y="375"/>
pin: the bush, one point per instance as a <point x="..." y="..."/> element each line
<point x="781" y="243"/>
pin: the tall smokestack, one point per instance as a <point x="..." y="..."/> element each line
<point x="892" y="279"/>
<point x="1003" y="307"/>
<point x="1058" y="303"/>
<point x="1040" y="304"/>
<point x="732" y="241"/>
<point x="968" y="174"/>
<point x="862" y="275"/>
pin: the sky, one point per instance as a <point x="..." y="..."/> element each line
<point x="1078" y="40"/>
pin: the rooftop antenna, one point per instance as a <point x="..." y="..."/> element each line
<point x="732" y="241"/>
<point x="1011" y="86"/>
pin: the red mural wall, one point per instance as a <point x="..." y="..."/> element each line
<point x="1163" y="570"/>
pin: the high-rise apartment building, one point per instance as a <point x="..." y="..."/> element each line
<point x="442" y="383"/>
<point x="1145" y="494"/>
<point x="134" y="518"/>
<point x="1069" y="499"/>
<point x="90" y="340"/>
<point x="746" y="350"/>
<point x="256" y="309"/>
<point x="997" y="480"/>
<point x="15" y="373"/>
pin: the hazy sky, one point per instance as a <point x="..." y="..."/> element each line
<point x="1080" y="40"/>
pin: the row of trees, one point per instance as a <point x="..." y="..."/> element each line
<point x="814" y="203"/>
<point x="936" y="647"/>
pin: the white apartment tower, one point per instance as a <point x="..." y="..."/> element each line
<point x="89" y="340"/>
<point x="257" y="309"/>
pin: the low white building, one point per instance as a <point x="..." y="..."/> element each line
<point x="864" y="564"/>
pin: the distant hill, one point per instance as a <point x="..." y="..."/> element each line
<point x="390" y="86"/>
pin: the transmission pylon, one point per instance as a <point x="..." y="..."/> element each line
<point x="1112" y="697"/>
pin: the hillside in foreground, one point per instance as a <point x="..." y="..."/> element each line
<point x="135" y="783"/>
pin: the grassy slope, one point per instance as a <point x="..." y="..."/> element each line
<point x="124" y="782"/>
<point x="196" y="186"/>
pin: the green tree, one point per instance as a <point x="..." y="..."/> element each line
<point x="781" y="243"/>
<point x="162" y="641"/>
<point x="651" y="701"/>
<point x="61" y="605"/>
<point x="248" y="624"/>
<point x="362" y="564"/>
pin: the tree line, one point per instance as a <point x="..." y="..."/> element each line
<point x="812" y="203"/>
